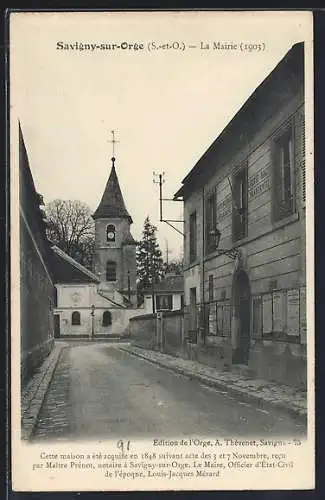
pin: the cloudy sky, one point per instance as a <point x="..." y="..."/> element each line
<point x="166" y="106"/>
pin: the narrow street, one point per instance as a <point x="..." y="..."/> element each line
<point x="99" y="391"/>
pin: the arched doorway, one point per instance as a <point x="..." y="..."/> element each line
<point x="242" y="310"/>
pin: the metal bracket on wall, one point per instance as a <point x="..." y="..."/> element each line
<point x="161" y="199"/>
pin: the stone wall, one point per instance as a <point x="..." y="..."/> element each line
<point x="280" y="362"/>
<point x="165" y="334"/>
<point x="142" y="330"/>
<point x="37" y="291"/>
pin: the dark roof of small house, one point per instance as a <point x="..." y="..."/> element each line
<point x="170" y="284"/>
<point x="285" y="79"/>
<point x="68" y="270"/>
<point x="112" y="204"/>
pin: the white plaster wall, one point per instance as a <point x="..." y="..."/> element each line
<point x="120" y="321"/>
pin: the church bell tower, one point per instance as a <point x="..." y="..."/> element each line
<point x="115" y="247"/>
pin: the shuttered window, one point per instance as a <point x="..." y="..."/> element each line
<point x="301" y="152"/>
<point x="164" y="302"/>
<point x="210" y="222"/>
<point x="193" y="237"/>
<point x="283" y="175"/>
<point x="240" y="204"/>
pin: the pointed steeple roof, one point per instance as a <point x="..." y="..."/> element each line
<point x="112" y="204"/>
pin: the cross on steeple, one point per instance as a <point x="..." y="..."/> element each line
<point x="113" y="141"/>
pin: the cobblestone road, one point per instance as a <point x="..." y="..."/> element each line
<point x="100" y="391"/>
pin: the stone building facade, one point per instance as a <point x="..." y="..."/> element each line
<point x="246" y="194"/>
<point x="37" y="291"/>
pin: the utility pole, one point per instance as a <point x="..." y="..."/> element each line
<point x="167" y="252"/>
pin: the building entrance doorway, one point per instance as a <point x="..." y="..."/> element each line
<point x="242" y="309"/>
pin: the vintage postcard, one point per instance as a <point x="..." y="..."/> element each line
<point x="162" y="218"/>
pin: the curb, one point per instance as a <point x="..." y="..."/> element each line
<point x="33" y="395"/>
<point x="234" y="391"/>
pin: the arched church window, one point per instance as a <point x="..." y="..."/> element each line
<point x="110" y="270"/>
<point x="75" y="318"/>
<point x="110" y="232"/>
<point x="107" y="318"/>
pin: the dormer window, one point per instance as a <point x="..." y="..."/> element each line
<point x="110" y="233"/>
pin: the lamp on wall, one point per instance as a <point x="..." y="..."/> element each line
<point x="233" y="253"/>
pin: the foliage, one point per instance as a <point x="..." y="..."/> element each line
<point x="71" y="228"/>
<point x="149" y="257"/>
<point x="174" y="266"/>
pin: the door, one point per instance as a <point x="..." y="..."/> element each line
<point x="56" y="326"/>
<point x="242" y="304"/>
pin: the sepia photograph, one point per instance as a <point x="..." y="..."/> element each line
<point x="162" y="316"/>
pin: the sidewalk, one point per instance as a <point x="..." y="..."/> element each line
<point x="261" y="392"/>
<point x="33" y="394"/>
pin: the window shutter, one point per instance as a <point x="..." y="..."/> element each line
<point x="301" y="153"/>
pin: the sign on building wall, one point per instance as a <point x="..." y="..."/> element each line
<point x="279" y="311"/>
<point x="293" y="313"/>
<point x="257" y="321"/>
<point x="223" y="319"/>
<point x="212" y="319"/>
<point x="259" y="183"/>
<point x="267" y="313"/>
<point x="303" y="324"/>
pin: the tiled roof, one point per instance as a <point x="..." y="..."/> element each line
<point x="67" y="270"/>
<point x="173" y="284"/>
<point x="112" y="203"/>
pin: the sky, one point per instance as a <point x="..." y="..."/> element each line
<point x="166" y="106"/>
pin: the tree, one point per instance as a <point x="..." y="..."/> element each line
<point x="149" y="257"/>
<point x="174" y="266"/>
<point x="71" y="228"/>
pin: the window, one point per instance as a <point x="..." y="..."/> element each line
<point x="110" y="232"/>
<point x="210" y="222"/>
<point x="164" y="302"/>
<point x="193" y="237"/>
<point x="239" y="218"/>
<point x="283" y="176"/>
<point x="75" y="318"/>
<point x="110" y="270"/>
<point x="107" y="318"/>
<point x="211" y="288"/>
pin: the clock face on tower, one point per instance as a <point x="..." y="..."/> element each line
<point x="110" y="233"/>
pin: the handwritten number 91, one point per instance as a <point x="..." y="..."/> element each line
<point x="123" y="446"/>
